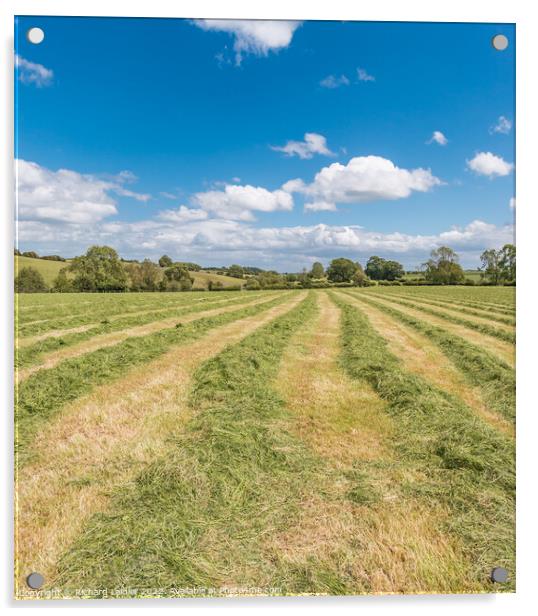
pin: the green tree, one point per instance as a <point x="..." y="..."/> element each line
<point x="236" y="271"/>
<point x="393" y="270"/>
<point x="443" y="267"/>
<point x="359" y="278"/>
<point x="507" y="262"/>
<point x="62" y="284"/>
<point x="375" y="268"/>
<point x="215" y="285"/>
<point x="341" y="270"/>
<point x="150" y="274"/>
<point x="165" y="261"/>
<point x="31" y="254"/>
<point x="252" y="284"/>
<point x="317" y="271"/>
<point x="175" y="272"/>
<point x="29" y="280"/>
<point x="100" y="269"/>
<point x="378" y="268"/>
<point x="491" y="269"/>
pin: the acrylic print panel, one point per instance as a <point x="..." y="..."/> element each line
<point x="265" y="308"/>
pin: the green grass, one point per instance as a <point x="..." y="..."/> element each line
<point x="483" y="328"/>
<point x="44" y="393"/>
<point x="34" y="353"/>
<point x="495" y="379"/>
<point x="468" y="466"/>
<point x="198" y="515"/>
<point x="485" y="314"/>
<point x="48" y="269"/>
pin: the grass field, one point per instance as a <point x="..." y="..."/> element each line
<point x="340" y="441"/>
<point x="50" y="269"/>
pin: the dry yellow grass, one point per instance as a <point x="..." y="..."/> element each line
<point x="105" y="340"/>
<point x="337" y="419"/>
<point x="422" y="357"/>
<point x="102" y="440"/>
<point x="56" y="333"/>
<point x="397" y="544"/>
<point x="503" y="350"/>
<point x="453" y="311"/>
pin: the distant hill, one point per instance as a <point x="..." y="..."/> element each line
<point x="49" y="270"/>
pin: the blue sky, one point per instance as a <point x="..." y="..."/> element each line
<point x="188" y="138"/>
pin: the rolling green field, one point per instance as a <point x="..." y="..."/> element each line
<point x="50" y="269"/>
<point x="341" y="441"/>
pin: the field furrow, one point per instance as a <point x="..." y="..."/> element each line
<point x="500" y="348"/>
<point x="46" y="392"/>
<point x="53" y="328"/>
<point x="356" y="531"/>
<point x="225" y="480"/>
<point x="466" y="465"/>
<point x="495" y="379"/>
<point x="83" y="455"/>
<point x="502" y="332"/>
<point x="485" y="314"/>
<point x="47" y="355"/>
<point x="424" y="358"/>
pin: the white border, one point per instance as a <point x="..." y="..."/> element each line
<point x="524" y="15"/>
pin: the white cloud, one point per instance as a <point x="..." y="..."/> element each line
<point x="333" y="81"/>
<point x="65" y="195"/>
<point x="364" y="76"/>
<point x="364" y="178"/>
<point x="33" y="73"/>
<point x="486" y="163"/>
<point x="257" y="37"/>
<point x="182" y="214"/>
<point x="320" y="206"/>
<point x="438" y="137"/>
<point x="312" y="144"/>
<point x="512" y="203"/>
<point x="215" y="241"/>
<point x="238" y="202"/>
<point x="503" y="126"/>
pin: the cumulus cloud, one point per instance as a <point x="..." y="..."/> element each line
<point x="214" y="241"/>
<point x="312" y="144"/>
<point x="503" y="126"/>
<point x="364" y="178"/>
<point x="33" y="73"/>
<point x="182" y="214"/>
<point x="334" y="81"/>
<point x="238" y="202"/>
<point x="512" y="203"/>
<point x="486" y="163"/>
<point x="438" y="137"/>
<point x="65" y="195"/>
<point x="364" y="76"/>
<point x="257" y="37"/>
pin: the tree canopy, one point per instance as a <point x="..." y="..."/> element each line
<point x="443" y="267"/>
<point x="100" y="269"/>
<point x="342" y="270"/>
<point x="378" y="268"/>
<point x="29" y="280"/>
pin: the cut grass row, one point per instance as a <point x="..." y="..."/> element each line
<point x="483" y="328"/>
<point x="117" y="309"/>
<point x="483" y="313"/>
<point x="468" y="466"/>
<point x="33" y="354"/>
<point x="45" y="392"/>
<point x="104" y="439"/>
<point x="199" y="514"/>
<point x="495" y="379"/>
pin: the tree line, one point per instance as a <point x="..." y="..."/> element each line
<point x="101" y="269"/>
